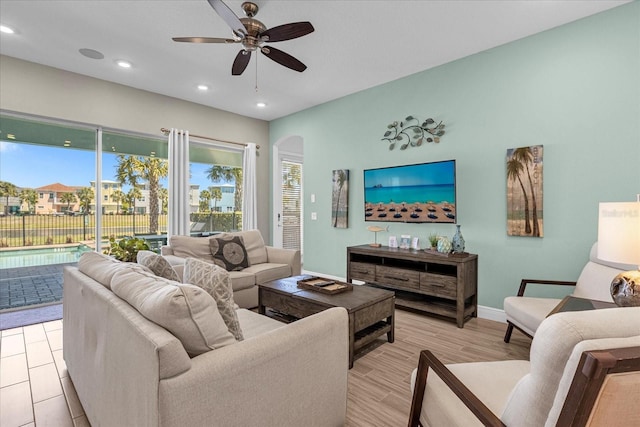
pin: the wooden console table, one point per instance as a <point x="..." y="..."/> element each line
<point x="445" y="285"/>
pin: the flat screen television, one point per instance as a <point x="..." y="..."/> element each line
<point x="419" y="193"/>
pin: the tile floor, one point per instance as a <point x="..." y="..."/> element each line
<point x="35" y="389"/>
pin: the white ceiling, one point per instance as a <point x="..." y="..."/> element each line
<point x="356" y="45"/>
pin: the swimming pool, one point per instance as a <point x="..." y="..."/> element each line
<point x="41" y="256"/>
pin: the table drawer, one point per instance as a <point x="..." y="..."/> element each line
<point x="438" y="285"/>
<point x="287" y="304"/>
<point x="273" y="300"/>
<point x="398" y="277"/>
<point x="374" y="313"/>
<point x="363" y="271"/>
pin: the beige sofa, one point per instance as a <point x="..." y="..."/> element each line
<point x="267" y="263"/>
<point x="129" y="371"/>
<point x="525" y="393"/>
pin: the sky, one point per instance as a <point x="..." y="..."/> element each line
<point x="433" y="173"/>
<point x="33" y="166"/>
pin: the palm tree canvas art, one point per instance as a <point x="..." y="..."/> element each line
<point x="340" y="198"/>
<point x="524" y="191"/>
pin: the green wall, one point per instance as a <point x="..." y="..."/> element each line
<point x="574" y="89"/>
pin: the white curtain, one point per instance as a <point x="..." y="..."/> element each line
<point x="178" y="183"/>
<point x="249" y="214"/>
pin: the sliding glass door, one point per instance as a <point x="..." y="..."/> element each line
<point x="215" y="188"/>
<point x="46" y="169"/>
<point x="67" y="187"/>
<point x="132" y="195"/>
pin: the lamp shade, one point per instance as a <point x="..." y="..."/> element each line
<point x="619" y="232"/>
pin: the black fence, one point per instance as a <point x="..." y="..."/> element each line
<point x="35" y="230"/>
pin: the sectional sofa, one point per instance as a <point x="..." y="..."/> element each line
<point x="265" y="263"/>
<point x="142" y="361"/>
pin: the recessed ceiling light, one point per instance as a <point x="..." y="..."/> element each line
<point x="261" y="105"/>
<point x="203" y="87"/>
<point x="11" y="136"/>
<point x="123" y="64"/>
<point x="6" y="30"/>
<point x="90" y="53"/>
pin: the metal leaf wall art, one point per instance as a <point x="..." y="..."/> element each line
<point x="411" y="133"/>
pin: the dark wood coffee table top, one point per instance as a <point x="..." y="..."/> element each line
<point x="571" y="303"/>
<point x="352" y="300"/>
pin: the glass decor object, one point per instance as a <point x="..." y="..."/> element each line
<point x="619" y="241"/>
<point x="457" y="241"/>
<point x="444" y="245"/>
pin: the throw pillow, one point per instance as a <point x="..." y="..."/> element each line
<point x="157" y="264"/>
<point x="101" y="268"/>
<point x="187" y="246"/>
<point x="187" y="311"/>
<point x="216" y="281"/>
<point x="229" y="252"/>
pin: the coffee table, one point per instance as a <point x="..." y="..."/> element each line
<point x="371" y="310"/>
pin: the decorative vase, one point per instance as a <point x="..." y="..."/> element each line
<point x="444" y="245"/>
<point x="457" y="241"/>
<point x="625" y="289"/>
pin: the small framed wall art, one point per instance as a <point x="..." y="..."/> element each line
<point x="524" y="191"/>
<point x="340" y="198"/>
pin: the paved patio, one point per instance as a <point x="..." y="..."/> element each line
<point x="28" y="286"/>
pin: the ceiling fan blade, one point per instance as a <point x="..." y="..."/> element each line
<point x="287" y="31"/>
<point x="241" y="62"/>
<point x="204" y="40"/>
<point x="229" y="17"/>
<point x="283" y="58"/>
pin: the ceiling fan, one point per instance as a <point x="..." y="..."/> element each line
<point x="253" y="34"/>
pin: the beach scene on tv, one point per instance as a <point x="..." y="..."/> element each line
<point x="413" y="193"/>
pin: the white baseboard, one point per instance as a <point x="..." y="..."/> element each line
<point x="489" y="313"/>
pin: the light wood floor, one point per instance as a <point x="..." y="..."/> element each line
<point x="379" y="392"/>
<point x="35" y="389"/>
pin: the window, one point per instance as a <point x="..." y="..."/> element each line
<point x="212" y="166"/>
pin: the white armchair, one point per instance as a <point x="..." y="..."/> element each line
<point x="526" y="313"/>
<point x="558" y="386"/>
